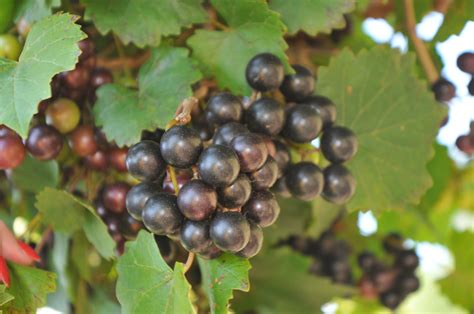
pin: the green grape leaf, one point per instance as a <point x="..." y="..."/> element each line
<point x="221" y="276"/>
<point x="323" y="216"/>
<point x="34" y="175"/>
<point x="67" y="214"/>
<point x="395" y="118"/>
<point x="35" y="10"/>
<point x="5" y="297"/>
<point x="459" y="285"/>
<point x="252" y="28"/>
<point x="146" y="284"/>
<point x="164" y="82"/>
<point x="313" y="16"/>
<point x="144" y="22"/>
<point x="281" y="284"/>
<point x="29" y="287"/>
<point x="459" y="13"/>
<point x="50" y="48"/>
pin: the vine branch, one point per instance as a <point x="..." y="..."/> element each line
<point x="125" y="62"/>
<point x="420" y="48"/>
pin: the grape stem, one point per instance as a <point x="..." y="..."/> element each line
<point x="189" y="262"/>
<point x="172" y="173"/>
<point x="183" y="112"/>
<point x="44" y="239"/>
<point x="420" y="48"/>
<point x="123" y="62"/>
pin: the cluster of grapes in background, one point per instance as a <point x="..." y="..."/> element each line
<point x="390" y="279"/>
<point x="208" y="184"/>
<point x="444" y="91"/>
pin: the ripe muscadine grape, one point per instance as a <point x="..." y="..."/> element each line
<point x="230" y="231"/>
<point x="407" y="260"/>
<point x="97" y="161"/>
<point x="227" y="132"/>
<point x="251" y="150"/>
<point x="154" y="136"/>
<point x="265" y="72"/>
<point x="83" y="141"/>
<point x="465" y="62"/>
<point x="144" y="161"/>
<point x="161" y="214"/>
<point x="390" y="299"/>
<point x="236" y="194"/>
<point x="218" y="165"/>
<point x="281" y="188"/>
<point x="223" y="108"/>
<point x="324" y="107"/>
<point x="265" y="116"/>
<point x="197" y="200"/>
<point x="100" y="77"/>
<point x="298" y="86"/>
<point x="114" y="195"/>
<point x="180" y="146"/>
<point x="262" y="208"/>
<point x="137" y="197"/>
<point x="339" y="184"/>
<point x="211" y="252"/>
<point x="195" y="236"/>
<point x="443" y="90"/>
<point x="305" y="180"/>
<point x="339" y="144"/>
<point x="282" y="157"/>
<point x="470" y="86"/>
<point x="266" y="176"/>
<point x="303" y="124"/>
<point x="366" y="261"/>
<point x="255" y="242"/>
<point x="117" y="158"/>
<point x="408" y="283"/>
<point x="12" y="150"/>
<point x="44" y="142"/>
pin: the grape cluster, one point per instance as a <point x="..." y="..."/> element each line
<point x="111" y="207"/>
<point x="330" y="255"/>
<point x="390" y="283"/>
<point x="208" y="184"/>
<point x="60" y="117"/>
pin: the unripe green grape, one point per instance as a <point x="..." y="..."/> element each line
<point x="10" y="47"/>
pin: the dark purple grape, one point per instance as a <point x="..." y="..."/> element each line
<point x="298" y="86"/>
<point x="44" y="142"/>
<point x="161" y="214"/>
<point x="282" y="157"/>
<point x="101" y="210"/>
<point x="443" y="90"/>
<point x="230" y="231"/>
<point x="264" y="72"/>
<point x="407" y="260"/>
<point x="265" y="116"/>
<point x="324" y="107"/>
<point x="180" y="146"/>
<point x="154" y="136"/>
<point x="465" y="62"/>
<point x="211" y="252"/>
<point x="144" y="161"/>
<point x="262" y="208"/>
<point x="339" y="184"/>
<point x="465" y="144"/>
<point x="305" y="180"/>
<point x="87" y="48"/>
<point x="118" y="158"/>
<point x="205" y="129"/>
<point x="339" y="144"/>
<point x="227" y="132"/>
<point x="77" y="79"/>
<point x="251" y="150"/>
<point x="130" y="226"/>
<point x="303" y="124"/>
<point x="266" y="176"/>
<point x="390" y="299"/>
<point x="255" y="242"/>
<point x="236" y="194"/>
<point x="218" y="165"/>
<point x="366" y="261"/>
<point x="195" y="236"/>
<point x="137" y="197"/>
<point x="393" y="243"/>
<point x="183" y="176"/>
<point x="281" y="188"/>
<point x="340" y="270"/>
<point x="114" y="195"/>
<point x="223" y="108"/>
<point x="470" y="86"/>
<point x="408" y="283"/>
<point x="197" y="200"/>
